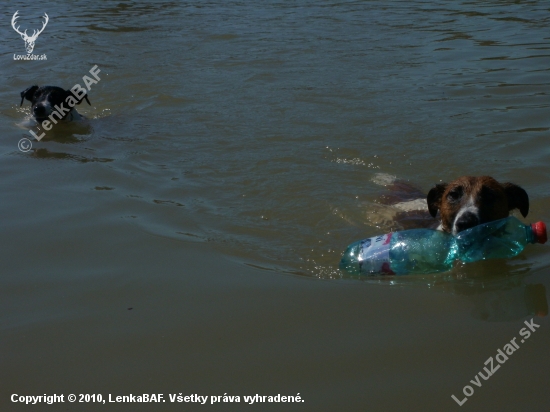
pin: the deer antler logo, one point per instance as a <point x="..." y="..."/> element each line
<point x="29" y="40"/>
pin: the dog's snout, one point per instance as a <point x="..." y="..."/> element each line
<point x="466" y="221"/>
<point x="39" y="110"/>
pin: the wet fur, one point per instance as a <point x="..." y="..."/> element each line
<point x="44" y="99"/>
<point x="469" y="201"/>
<point x="459" y="205"/>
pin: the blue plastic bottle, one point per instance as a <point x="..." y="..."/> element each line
<point x="428" y="251"/>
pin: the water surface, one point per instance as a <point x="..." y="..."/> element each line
<point x="232" y="153"/>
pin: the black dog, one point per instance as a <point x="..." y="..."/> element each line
<point x="52" y="103"/>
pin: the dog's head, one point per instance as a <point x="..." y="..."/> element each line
<point x="44" y="99"/>
<point x="470" y="201"/>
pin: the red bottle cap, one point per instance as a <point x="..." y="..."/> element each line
<point x="539" y="229"/>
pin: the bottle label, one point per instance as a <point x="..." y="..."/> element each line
<point x="374" y="257"/>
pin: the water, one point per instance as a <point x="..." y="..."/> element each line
<point x="230" y="156"/>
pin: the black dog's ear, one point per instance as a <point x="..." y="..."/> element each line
<point x="27" y="94"/>
<point x="70" y="93"/>
<point x="434" y="198"/>
<point x="517" y="198"/>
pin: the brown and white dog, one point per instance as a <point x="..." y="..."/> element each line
<point x="469" y="201"/>
<point x="465" y="202"/>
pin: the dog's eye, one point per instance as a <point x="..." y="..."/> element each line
<point x="455" y="194"/>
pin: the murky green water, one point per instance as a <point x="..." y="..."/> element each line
<point x="231" y="134"/>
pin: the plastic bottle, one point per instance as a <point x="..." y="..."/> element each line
<point x="428" y="251"/>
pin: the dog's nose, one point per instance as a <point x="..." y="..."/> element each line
<point x="39" y="110"/>
<point x="466" y="221"/>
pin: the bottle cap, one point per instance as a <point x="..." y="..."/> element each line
<point x="539" y="229"/>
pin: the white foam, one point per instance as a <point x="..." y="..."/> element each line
<point x="411" y="205"/>
<point x="383" y="179"/>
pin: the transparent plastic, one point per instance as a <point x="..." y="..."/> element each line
<point x="428" y="251"/>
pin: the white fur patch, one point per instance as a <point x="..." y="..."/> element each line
<point x="470" y="207"/>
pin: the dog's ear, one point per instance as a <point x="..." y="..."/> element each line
<point x="70" y="93"/>
<point x="434" y="198"/>
<point x="517" y="198"/>
<point x="27" y="94"/>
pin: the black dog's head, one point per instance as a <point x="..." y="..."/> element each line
<point x="44" y="99"/>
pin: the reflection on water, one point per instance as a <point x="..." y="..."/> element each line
<point x="500" y="292"/>
<point x="502" y="304"/>
<point x="46" y="154"/>
<point x="497" y="289"/>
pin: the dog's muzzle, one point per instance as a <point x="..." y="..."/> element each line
<point x="466" y="221"/>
